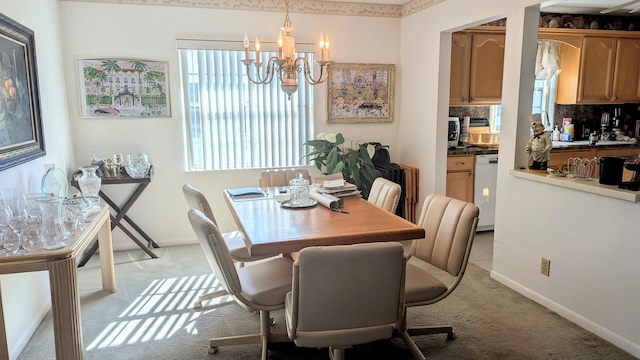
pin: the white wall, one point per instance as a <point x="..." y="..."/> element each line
<point x="150" y="32"/>
<point x="25" y="297"/>
<point x="591" y="240"/>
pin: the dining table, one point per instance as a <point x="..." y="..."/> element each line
<point x="269" y="228"/>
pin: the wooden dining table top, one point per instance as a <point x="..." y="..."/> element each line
<point x="270" y="229"/>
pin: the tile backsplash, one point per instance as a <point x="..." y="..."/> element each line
<point x="472" y="111"/>
<point x="588" y="116"/>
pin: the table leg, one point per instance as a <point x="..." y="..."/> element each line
<point x="65" y="307"/>
<point x="106" y="256"/>
<point x="4" y="349"/>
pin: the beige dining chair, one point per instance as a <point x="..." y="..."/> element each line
<point x="233" y="240"/>
<point x="281" y="177"/>
<point x="385" y="194"/>
<point x="450" y="227"/>
<point x="259" y="287"/>
<point x="345" y="295"/>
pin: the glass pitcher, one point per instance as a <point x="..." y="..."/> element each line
<point x="52" y="232"/>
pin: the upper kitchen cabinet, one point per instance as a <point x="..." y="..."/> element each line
<point x="597" y="68"/>
<point x="477" y="61"/>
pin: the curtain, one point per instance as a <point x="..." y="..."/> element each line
<point x="231" y="123"/>
<point x="547" y="59"/>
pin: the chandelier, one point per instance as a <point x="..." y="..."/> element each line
<point x="286" y="66"/>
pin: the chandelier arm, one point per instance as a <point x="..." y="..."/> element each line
<point x="268" y="76"/>
<point x="307" y="72"/>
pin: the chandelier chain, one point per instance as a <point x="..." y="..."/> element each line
<point x="287" y="22"/>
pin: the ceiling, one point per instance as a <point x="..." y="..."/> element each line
<point x="585" y="7"/>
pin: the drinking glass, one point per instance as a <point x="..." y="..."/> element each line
<point x="72" y="214"/>
<point x="17" y="220"/>
<point x="118" y="162"/>
<point x="32" y="232"/>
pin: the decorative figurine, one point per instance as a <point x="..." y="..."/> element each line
<point x="539" y="145"/>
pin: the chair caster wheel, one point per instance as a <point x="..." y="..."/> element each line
<point x="197" y="305"/>
<point x="213" y="350"/>
<point x="451" y="335"/>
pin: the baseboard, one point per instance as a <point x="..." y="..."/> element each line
<point x="597" y="329"/>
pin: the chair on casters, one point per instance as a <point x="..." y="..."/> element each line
<point x="281" y="177"/>
<point x="385" y="193"/>
<point x="356" y="300"/>
<point x="260" y="287"/>
<point x="450" y="227"/>
<point x="234" y="240"/>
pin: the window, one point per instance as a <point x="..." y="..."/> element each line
<point x="231" y="123"/>
<point x="546" y="83"/>
<point x="544" y="98"/>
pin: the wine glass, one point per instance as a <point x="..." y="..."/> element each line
<point x="5" y="245"/>
<point x="18" y="220"/>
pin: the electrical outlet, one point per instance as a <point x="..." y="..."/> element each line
<point x="545" y="266"/>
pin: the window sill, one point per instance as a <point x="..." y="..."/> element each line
<point x="590" y="186"/>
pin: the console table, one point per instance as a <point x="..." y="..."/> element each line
<point x="121" y="211"/>
<point x="63" y="278"/>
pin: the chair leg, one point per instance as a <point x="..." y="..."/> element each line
<point x="264" y="337"/>
<point x="336" y="354"/>
<point x="215" y="294"/>
<point x="433" y="330"/>
<point x="264" y="332"/>
<point x="417" y="354"/>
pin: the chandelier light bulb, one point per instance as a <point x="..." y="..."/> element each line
<point x="246" y="46"/>
<point x="321" y="45"/>
<point x="326" y="48"/>
<point x="280" y="43"/>
<point x="257" y="50"/>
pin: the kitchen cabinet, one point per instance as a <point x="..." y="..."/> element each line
<point x="460" y="177"/>
<point x="598" y="67"/>
<point x="477" y="61"/>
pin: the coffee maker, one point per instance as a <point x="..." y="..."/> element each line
<point x="454" y="132"/>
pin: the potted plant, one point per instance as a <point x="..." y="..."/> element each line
<point x="329" y="152"/>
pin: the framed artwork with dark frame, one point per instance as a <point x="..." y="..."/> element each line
<point x="360" y="93"/>
<point x="21" y="137"/>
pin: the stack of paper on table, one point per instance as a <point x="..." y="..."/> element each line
<point x="245" y="193"/>
<point x="335" y="185"/>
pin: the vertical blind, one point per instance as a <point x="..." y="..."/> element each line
<point x="232" y="123"/>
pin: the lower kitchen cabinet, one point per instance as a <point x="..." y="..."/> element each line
<point x="460" y="177"/>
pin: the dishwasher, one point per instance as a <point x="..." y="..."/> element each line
<point x="484" y="189"/>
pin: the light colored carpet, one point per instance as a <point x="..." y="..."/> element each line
<point x="151" y="317"/>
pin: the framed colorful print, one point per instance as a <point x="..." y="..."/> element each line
<point x="21" y="137"/>
<point x="360" y="93"/>
<point x="115" y="87"/>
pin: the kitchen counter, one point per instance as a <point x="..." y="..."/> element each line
<point x="590" y="186"/>
<point x="473" y="150"/>
<point x="579" y="145"/>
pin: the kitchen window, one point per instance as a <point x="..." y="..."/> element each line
<point x="546" y="83"/>
<point x="231" y="123"/>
